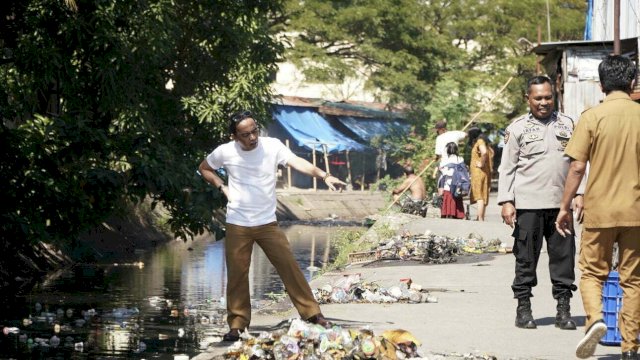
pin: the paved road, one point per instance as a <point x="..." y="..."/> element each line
<point x="475" y="311"/>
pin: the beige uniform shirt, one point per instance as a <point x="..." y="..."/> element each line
<point x="608" y="136"/>
<point x="533" y="168"/>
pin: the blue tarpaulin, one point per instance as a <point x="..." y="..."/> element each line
<point x="589" y="21"/>
<point x="366" y="128"/>
<point x="307" y="127"/>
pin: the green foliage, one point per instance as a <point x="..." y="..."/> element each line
<point x="384" y="40"/>
<point x="387" y="183"/>
<point x="343" y="243"/>
<point x="89" y="123"/>
<point x="443" y="59"/>
<point x="384" y="231"/>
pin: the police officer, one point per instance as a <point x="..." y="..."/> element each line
<point x="530" y="188"/>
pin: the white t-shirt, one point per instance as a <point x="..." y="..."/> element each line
<point x="443" y="139"/>
<point x="252" y="179"/>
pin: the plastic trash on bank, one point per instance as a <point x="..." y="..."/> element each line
<point x="305" y="341"/>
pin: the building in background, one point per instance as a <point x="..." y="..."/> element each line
<point x="574" y="66"/>
<point x="599" y="20"/>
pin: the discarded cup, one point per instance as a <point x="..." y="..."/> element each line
<point x="431" y="299"/>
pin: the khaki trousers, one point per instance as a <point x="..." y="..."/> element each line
<point x="238" y="247"/>
<point x="596" y="251"/>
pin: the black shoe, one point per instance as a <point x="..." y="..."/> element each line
<point x="587" y="346"/>
<point x="232" y="336"/>
<point x="524" y="319"/>
<point x="629" y="355"/>
<point x="563" y="316"/>
<point x="319" y="319"/>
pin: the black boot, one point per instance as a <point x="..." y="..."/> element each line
<point x="524" y="319"/>
<point x="563" y="316"/>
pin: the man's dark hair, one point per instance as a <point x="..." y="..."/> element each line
<point x="474" y="132"/>
<point x="616" y="73"/>
<point x="236" y="118"/>
<point x="408" y="170"/>
<point x="452" y="148"/>
<point x="538" y="80"/>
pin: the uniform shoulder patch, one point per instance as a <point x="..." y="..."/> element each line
<point x="506" y="136"/>
<point x="568" y="118"/>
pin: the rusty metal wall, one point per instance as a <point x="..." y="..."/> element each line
<point x="581" y="82"/>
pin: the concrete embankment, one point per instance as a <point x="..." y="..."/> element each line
<point x="302" y="204"/>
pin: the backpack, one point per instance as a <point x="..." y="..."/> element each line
<point x="460" y="180"/>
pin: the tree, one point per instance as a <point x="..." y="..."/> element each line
<point x="442" y="58"/>
<point x="383" y="40"/>
<point x="107" y="103"/>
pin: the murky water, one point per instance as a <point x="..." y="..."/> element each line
<point x="168" y="302"/>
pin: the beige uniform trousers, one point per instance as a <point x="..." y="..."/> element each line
<point x="596" y="251"/>
<point x="238" y="248"/>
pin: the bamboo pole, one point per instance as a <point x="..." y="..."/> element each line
<point x="467" y="125"/>
<point x="349" y="178"/>
<point x="326" y="158"/>
<point x="364" y="169"/>
<point x="616" y="27"/>
<point x="407" y="188"/>
<point x="313" y="156"/>
<point x="487" y="104"/>
<point x="288" y="167"/>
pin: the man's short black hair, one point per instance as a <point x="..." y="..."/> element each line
<point x="616" y="73"/>
<point x="236" y="118"/>
<point x="408" y="169"/>
<point x="538" y="80"/>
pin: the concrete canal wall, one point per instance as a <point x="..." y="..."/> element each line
<point x="303" y="204"/>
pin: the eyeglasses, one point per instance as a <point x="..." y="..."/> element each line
<point x="254" y="132"/>
<point x="241" y="116"/>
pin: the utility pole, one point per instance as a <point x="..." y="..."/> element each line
<point x="537" y="57"/>
<point x="616" y="27"/>
<point x="549" y="23"/>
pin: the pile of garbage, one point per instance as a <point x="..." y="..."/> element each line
<point x="351" y="289"/>
<point x="433" y="249"/>
<point x="415" y="207"/>
<point x="306" y="341"/>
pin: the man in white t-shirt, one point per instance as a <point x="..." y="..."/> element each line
<point x="251" y="163"/>
<point x="444" y="137"/>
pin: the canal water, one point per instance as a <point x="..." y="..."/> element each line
<point x="168" y="302"/>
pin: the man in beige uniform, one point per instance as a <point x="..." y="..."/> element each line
<point x="608" y="137"/>
<point x="532" y="173"/>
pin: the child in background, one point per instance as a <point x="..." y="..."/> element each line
<point x="452" y="207"/>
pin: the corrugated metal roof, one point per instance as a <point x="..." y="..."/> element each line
<point x="548" y="47"/>
<point x="367" y="129"/>
<point x="344" y="108"/>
